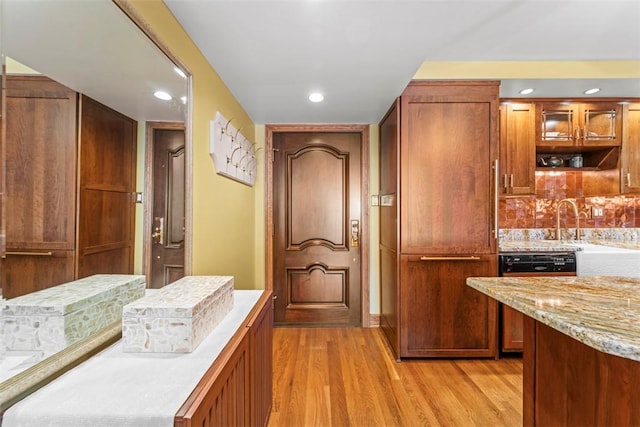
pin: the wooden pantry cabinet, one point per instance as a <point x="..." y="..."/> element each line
<point x="438" y="223"/>
<point x="70" y="172"/>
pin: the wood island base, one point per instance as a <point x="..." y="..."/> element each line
<point x="567" y="383"/>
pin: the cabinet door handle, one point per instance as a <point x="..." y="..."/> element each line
<point x="30" y="253"/>
<point x="495" y="198"/>
<point x="505" y="184"/>
<point x="450" y="258"/>
<point x="511" y="180"/>
<point x="628" y="179"/>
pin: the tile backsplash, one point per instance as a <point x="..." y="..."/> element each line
<point x="618" y="211"/>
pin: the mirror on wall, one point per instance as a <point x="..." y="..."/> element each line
<point x="94" y="49"/>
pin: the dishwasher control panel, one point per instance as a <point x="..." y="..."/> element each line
<point x="538" y="262"/>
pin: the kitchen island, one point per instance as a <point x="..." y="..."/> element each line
<point x="581" y="355"/>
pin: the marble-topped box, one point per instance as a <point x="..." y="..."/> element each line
<point x="177" y="317"/>
<point x="51" y="319"/>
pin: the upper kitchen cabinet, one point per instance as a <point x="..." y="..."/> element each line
<point x="630" y="161"/>
<point x="591" y="131"/>
<point x="517" y="148"/>
<point x="593" y="124"/>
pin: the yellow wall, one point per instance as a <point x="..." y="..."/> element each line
<point x="224" y="214"/>
<point x="529" y="70"/>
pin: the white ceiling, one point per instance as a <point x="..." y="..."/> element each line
<point x="95" y="49"/>
<point x="361" y="54"/>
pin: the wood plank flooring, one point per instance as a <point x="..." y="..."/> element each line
<point x="349" y="377"/>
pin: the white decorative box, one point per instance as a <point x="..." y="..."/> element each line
<point x="177" y="317"/>
<point x="53" y="318"/>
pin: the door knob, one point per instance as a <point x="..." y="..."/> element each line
<point x="158" y="230"/>
<point x="355" y="233"/>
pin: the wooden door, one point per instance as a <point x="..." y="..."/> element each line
<point x="601" y="124"/>
<point x="557" y="124"/>
<point x="517" y="148"/>
<point x="317" y="219"/>
<point x="168" y="222"/>
<point x="631" y="150"/>
<point x="108" y="144"/>
<point x="389" y="284"/>
<point x="512" y="334"/>
<point x="40" y="185"/>
<point x="440" y="315"/>
<point x="448" y="148"/>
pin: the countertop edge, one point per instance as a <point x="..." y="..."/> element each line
<point x="588" y="335"/>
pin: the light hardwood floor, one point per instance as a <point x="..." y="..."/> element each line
<point x="348" y="377"/>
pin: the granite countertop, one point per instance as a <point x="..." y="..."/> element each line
<point x="537" y="246"/>
<point x="601" y="312"/>
<point x="562" y="245"/>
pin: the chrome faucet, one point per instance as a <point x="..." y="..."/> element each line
<point x="576" y="213"/>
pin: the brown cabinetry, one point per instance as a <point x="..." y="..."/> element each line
<point x="592" y="130"/>
<point x="517" y="148"/>
<point x="630" y="161"/>
<point x="438" y="154"/>
<point x="70" y="169"/>
<point x="237" y="388"/>
<point x="40" y="187"/>
<point x="441" y="315"/>
<point x="574" y="124"/>
<point x="512" y="333"/>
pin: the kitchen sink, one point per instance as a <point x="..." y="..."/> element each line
<point x="599" y="260"/>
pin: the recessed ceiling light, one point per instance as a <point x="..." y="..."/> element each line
<point x="162" y="95"/>
<point x="180" y="72"/>
<point x="592" y="91"/>
<point x="527" y="91"/>
<point x="316" y="97"/>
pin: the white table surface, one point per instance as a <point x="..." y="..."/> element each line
<point x="117" y="389"/>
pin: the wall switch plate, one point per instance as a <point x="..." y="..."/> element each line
<point x="597" y="212"/>
<point x="138" y="197"/>
<point x="375" y="200"/>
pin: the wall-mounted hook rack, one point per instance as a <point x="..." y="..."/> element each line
<point x="233" y="155"/>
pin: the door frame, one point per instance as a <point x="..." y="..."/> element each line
<point x="363" y="130"/>
<point x="148" y="194"/>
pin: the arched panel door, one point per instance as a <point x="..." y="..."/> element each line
<point x="317" y="218"/>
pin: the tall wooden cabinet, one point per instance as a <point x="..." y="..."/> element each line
<point x="69" y="166"/>
<point x="439" y="179"/>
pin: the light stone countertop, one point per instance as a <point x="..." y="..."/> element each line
<point x="601" y="312"/>
<point x="563" y="245"/>
<point x="537" y="246"/>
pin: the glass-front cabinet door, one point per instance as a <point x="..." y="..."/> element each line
<point x="601" y="124"/>
<point x="558" y="124"/>
<point x="579" y="124"/>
